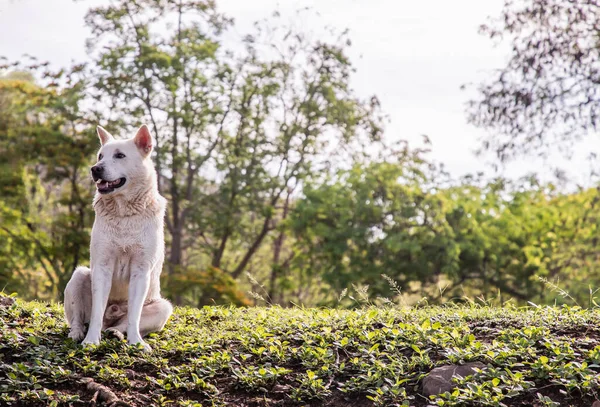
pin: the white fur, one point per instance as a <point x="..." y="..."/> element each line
<point x="127" y="250"/>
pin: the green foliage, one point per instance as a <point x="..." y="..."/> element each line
<point x="524" y="241"/>
<point x="44" y="209"/>
<point x="274" y="356"/>
<point x="375" y="218"/>
<point x="205" y="287"/>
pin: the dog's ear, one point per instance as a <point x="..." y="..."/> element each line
<point x="104" y="136"/>
<point x="143" y="140"/>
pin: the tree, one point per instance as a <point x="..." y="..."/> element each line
<point x="236" y="133"/>
<point x="521" y="240"/>
<point x="45" y="148"/>
<point x="547" y="95"/>
<point x="376" y="218"/>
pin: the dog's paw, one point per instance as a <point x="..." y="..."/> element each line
<point x="76" y="334"/>
<point x="90" y="341"/>
<point x="115" y="333"/>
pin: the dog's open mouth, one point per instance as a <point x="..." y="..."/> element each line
<point x="105" y="187"/>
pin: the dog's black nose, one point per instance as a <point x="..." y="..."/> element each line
<point x="97" y="171"/>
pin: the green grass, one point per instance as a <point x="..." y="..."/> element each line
<point x="219" y="356"/>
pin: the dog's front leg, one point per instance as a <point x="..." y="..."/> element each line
<point x="139" y="282"/>
<point x="101" y="284"/>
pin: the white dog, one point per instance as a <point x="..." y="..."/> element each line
<point x="127" y="247"/>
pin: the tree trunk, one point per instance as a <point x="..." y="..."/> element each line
<point x="253" y="248"/>
<point x="277" y="246"/>
<point x="175" y="255"/>
<point x="218" y="254"/>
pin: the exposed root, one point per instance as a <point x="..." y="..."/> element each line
<point x="103" y="394"/>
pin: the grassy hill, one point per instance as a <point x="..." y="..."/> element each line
<point x="219" y="356"/>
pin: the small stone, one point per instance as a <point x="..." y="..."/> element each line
<point x="439" y="380"/>
<point x="130" y="374"/>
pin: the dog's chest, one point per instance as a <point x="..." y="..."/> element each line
<point x="120" y="279"/>
<point x="127" y="235"/>
<point x="122" y="268"/>
<point x="119" y="243"/>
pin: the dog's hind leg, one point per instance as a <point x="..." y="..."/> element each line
<point x="78" y="302"/>
<point x="155" y="315"/>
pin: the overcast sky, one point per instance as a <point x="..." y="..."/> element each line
<point x="414" y="55"/>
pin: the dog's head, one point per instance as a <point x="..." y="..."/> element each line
<point x="122" y="163"/>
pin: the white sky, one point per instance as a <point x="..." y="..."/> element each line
<point x="414" y="55"/>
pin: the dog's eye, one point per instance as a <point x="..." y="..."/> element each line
<point x="119" y="155"/>
<point x="100" y="157"/>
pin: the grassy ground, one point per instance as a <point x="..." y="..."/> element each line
<point x="292" y="357"/>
